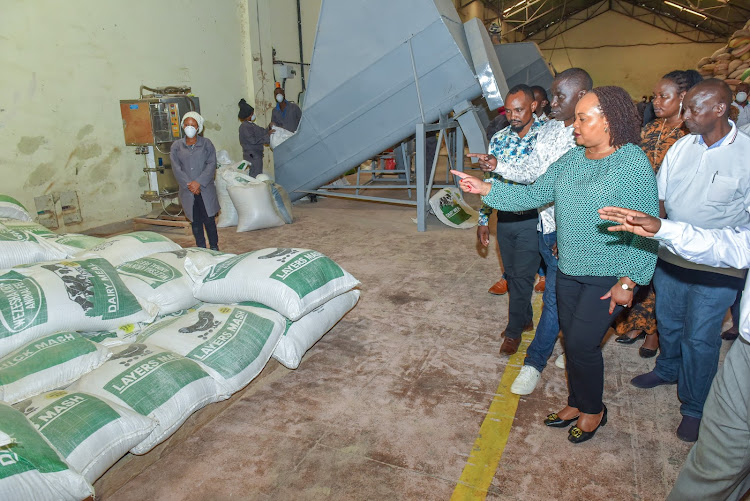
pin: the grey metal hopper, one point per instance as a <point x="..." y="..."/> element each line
<point x="377" y="70"/>
<point x="522" y="63"/>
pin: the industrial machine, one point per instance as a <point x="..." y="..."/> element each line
<point x="371" y="89"/>
<point x="151" y="124"/>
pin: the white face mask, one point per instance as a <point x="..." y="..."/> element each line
<point x="252" y="117"/>
<point x="279" y="98"/>
<point x="741" y="97"/>
<point x="190" y="131"/>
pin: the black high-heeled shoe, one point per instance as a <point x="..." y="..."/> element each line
<point x="577" y="435"/>
<point x="624" y="339"/>
<point x="554" y="421"/>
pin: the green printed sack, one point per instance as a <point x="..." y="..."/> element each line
<point x="232" y="343"/>
<point x="23" y="242"/>
<point x="48" y="363"/>
<point x="153" y="382"/>
<point x="13" y="209"/>
<point x="91" y="433"/>
<point x="291" y="281"/>
<point x="30" y="469"/>
<point x="129" y="247"/>
<point x="161" y="278"/>
<point x="86" y="295"/>
<point x="451" y="209"/>
<point x="301" y="335"/>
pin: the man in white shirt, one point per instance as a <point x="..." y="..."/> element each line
<point x="718" y="465"/>
<point x="554" y="139"/>
<point x="704" y="181"/>
<point x="740" y="105"/>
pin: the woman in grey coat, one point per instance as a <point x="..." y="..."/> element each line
<point x="194" y="165"/>
<point x="252" y="138"/>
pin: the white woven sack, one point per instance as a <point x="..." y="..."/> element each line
<point x="124" y="334"/>
<point x="153" y="382"/>
<point x="305" y="332"/>
<point x="232" y="343"/>
<point x="279" y="135"/>
<point x="451" y="209"/>
<point x="291" y="281"/>
<point x="84" y="295"/>
<point x="30" y="469"/>
<point x="73" y="243"/>
<point x="13" y="209"/>
<point x="91" y="433"/>
<point x="129" y="247"/>
<point x="255" y="206"/>
<point x="229" y="176"/>
<point x="23" y="242"/>
<point x="47" y="364"/>
<point x="161" y="278"/>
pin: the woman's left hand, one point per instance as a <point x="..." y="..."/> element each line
<point x="618" y="297"/>
<point x="471" y="184"/>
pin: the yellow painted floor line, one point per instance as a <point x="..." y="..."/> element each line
<point x="493" y="434"/>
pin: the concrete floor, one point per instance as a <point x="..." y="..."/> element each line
<point x="389" y="404"/>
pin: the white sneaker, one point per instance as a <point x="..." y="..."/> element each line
<point x="526" y="381"/>
<point x="560" y="361"/>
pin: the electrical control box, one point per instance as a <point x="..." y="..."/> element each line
<point x="155" y="120"/>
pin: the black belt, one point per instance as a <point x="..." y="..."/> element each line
<point x="526" y="212"/>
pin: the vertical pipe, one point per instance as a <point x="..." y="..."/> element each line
<point x="301" y="57"/>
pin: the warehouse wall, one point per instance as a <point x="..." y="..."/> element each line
<point x="636" y="68"/>
<point x="285" y="38"/>
<point x="65" y="66"/>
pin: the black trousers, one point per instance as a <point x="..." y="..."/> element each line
<point x="519" y="248"/>
<point x="201" y="219"/>
<point x="584" y="320"/>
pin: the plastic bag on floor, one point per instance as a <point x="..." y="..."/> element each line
<point x="91" y="433"/>
<point x="13" y="209"/>
<point x="225" y="177"/>
<point x="48" y="363"/>
<point x="279" y="135"/>
<point x="85" y="295"/>
<point x="23" y="242"/>
<point x="30" y="469"/>
<point x="301" y="335"/>
<point x="161" y="278"/>
<point x="450" y="208"/>
<point x="256" y="208"/>
<point x="231" y="343"/>
<point x="129" y="247"/>
<point x="153" y="382"/>
<point x="282" y="201"/>
<point x="291" y="281"/>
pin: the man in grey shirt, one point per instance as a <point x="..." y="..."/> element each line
<point x="194" y="165"/>
<point x="286" y="115"/>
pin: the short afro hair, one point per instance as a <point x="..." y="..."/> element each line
<point x="621" y="114"/>
<point x="522" y="88"/>
<point x="578" y="75"/>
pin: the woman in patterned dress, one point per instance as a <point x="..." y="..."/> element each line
<point x="656" y="138"/>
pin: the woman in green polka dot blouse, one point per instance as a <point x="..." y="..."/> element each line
<point x="598" y="270"/>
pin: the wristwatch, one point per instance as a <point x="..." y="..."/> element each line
<point x="626" y="287"/>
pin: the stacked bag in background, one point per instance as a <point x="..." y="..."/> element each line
<point x="731" y="63"/>
<point x="250" y="203"/>
<point x="91" y="377"/>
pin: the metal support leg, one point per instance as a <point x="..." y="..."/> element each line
<point x="407" y="164"/>
<point x="459" y="152"/>
<point x="420" y="168"/>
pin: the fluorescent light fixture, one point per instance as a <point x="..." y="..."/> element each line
<point x="684" y="9"/>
